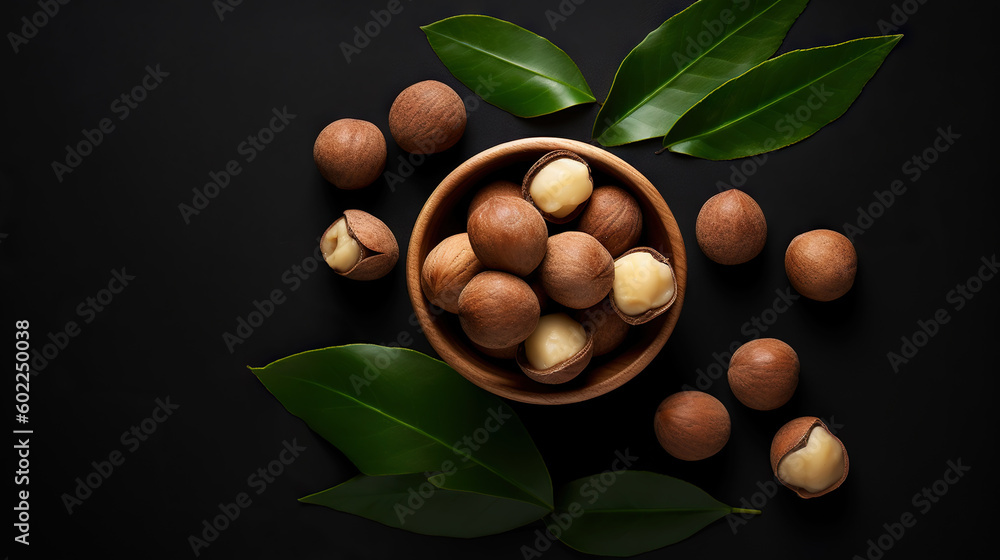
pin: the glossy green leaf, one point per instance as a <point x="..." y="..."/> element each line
<point x="686" y="58"/>
<point x="780" y="101"/>
<point x="410" y="502"/>
<point x="396" y="411"/>
<point x="508" y="66"/>
<point x="637" y="512"/>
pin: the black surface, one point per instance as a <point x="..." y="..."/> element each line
<point x="162" y="336"/>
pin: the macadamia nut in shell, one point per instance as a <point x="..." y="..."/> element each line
<point x="350" y="153"/>
<point x="692" y="425"/>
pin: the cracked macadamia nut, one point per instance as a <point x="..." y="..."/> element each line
<point x="556" y="339"/>
<point x="350" y="153"/>
<point x="359" y="246"/>
<point x="807" y="458"/>
<point x="508" y="234"/>
<point x="692" y="425"/>
<point x="644" y="285"/>
<point x="427" y="117"/>
<point x="559" y="184"/>
<point x="447" y="269"/>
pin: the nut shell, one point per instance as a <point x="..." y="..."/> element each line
<point x="731" y="228"/>
<point x="500" y="187"/>
<point x="508" y="234"/>
<point x="609" y="329"/>
<point x="497" y="309"/>
<point x="533" y="171"/>
<point x="350" y="153"/>
<point x="379" y="250"/>
<point x="652" y="313"/>
<point x="427" y="117"/>
<point x="794" y="436"/>
<point x="764" y="373"/>
<point x="449" y="266"/>
<point x="692" y="425"/>
<point x="561" y="372"/>
<point x="614" y="218"/>
<point x="821" y="264"/>
<point x="577" y="270"/>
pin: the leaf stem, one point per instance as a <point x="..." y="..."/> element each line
<point x="742" y="510"/>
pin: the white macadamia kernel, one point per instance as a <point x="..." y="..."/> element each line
<point x="815" y="467"/>
<point x="340" y="250"/>
<point x="556" y="339"/>
<point x="560" y="186"/>
<point x="641" y="283"/>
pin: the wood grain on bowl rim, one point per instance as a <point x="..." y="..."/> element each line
<point x="662" y="234"/>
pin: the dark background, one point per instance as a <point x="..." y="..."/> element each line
<point x="161" y="337"/>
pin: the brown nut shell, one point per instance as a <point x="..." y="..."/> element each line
<point x="577" y="270"/>
<point x="793" y="436"/>
<point x="508" y="234"/>
<point x="427" y="117"/>
<point x="821" y="264"/>
<point x="533" y="171"/>
<point x="652" y="313"/>
<point x="764" y="373"/>
<point x="508" y="353"/>
<point x="731" y="228"/>
<point x="449" y="266"/>
<point x="614" y="218"/>
<point x="350" y="153"/>
<point x="561" y="372"/>
<point x="379" y="250"/>
<point x="609" y="329"/>
<point x="500" y="187"/>
<point x="692" y="425"/>
<point x="497" y="309"/>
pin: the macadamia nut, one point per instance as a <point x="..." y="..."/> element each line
<point x="815" y="467"/>
<point x="556" y="339"/>
<point x="342" y="251"/>
<point x="560" y="186"/>
<point x="641" y="283"/>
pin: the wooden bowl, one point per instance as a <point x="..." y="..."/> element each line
<point x="444" y="214"/>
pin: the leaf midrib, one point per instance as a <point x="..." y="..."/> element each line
<point x="721" y="509"/>
<point x="781" y="98"/>
<point x="656" y="92"/>
<point x="472" y="457"/>
<point x="511" y="62"/>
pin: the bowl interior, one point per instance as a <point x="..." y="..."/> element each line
<point x="444" y="214"/>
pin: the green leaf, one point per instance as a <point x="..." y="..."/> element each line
<point x="410" y="502"/>
<point x="396" y="411"/>
<point x="508" y="66"/>
<point x="686" y="58"/>
<point x="638" y="512"/>
<point x="780" y="101"/>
